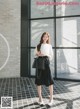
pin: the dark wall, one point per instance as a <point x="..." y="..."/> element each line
<point x="25" y="55"/>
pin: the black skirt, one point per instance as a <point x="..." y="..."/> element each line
<point x="44" y="77"/>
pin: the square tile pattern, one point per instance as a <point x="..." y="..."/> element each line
<point x="24" y="93"/>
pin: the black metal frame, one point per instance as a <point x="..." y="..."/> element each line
<point x="55" y="64"/>
<point x="29" y="47"/>
<point x="25" y="38"/>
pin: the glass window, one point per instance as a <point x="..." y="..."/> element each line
<point x="32" y="59"/>
<point x="68" y="32"/>
<point x="40" y="26"/>
<point x="68" y="64"/>
<point x="52" y="65"/>
<point x="38" y="10"/>
<point x="66" y="9"/>
<point x="67" y="35"/>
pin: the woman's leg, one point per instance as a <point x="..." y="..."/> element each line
<point x="39" y="93"/>
<point x="51" y="92"/>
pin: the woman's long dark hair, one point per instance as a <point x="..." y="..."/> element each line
<point x="41" y="40"/>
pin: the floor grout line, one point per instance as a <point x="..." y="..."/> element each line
<point x="24" y="92"/>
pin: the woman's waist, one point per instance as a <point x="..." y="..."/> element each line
<point x="45" y="59"/>
<point x="45" y="56"/>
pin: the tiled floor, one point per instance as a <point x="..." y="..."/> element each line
<point x="24" y="93"/>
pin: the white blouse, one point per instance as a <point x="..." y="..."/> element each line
<point x="46" y="49"/>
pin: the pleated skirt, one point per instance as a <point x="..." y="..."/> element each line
<point x="44" y="77"/>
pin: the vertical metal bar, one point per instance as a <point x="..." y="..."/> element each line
<point x="55" y="60"/>
<point x="29" y="38"/>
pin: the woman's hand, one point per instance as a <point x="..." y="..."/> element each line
<point x="39" y="54"/>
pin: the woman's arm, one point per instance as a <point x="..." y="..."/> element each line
<point x="37" y="53"/>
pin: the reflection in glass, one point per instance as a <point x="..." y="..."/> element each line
<point x="66" y="10"/>
<point x="32" y="59"/>
<point x="40" y="26"/>
<point x="68" y="32"/>
<point x="40" y="11"/>
<point x="68" y="64"/>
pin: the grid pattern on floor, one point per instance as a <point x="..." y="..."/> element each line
<point x="24" y="93"/>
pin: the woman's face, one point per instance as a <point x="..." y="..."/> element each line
<point x="45" y="38"/>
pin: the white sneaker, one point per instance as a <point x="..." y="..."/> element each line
<point x="41" y="103"/>
<point x="50" y="103"/>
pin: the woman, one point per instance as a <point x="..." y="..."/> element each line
<point x="43" y="77"/>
